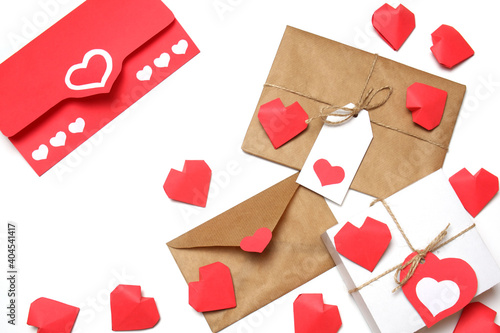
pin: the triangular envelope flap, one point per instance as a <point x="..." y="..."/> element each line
<point x="229" y="228"/>
<point x="79" y="56"/>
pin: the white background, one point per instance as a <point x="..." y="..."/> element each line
<point x="101" y="217"/>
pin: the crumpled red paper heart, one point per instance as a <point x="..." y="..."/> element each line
<point x="191" y="185"/>
<point x="477" y="317"/>
<point x="52" y="316"/>
<point x="311" y="315"/>
<point x="426" y="104"/>
<point x="394" y="25"/>
<point x="130" y="311"/>
<point x="258" y="242"/>
<point x="449" y="47"/>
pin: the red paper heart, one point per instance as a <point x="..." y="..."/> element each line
<point x="51" y="316"/>
<point x="426" y="104"/>
<point x="311" y="315"/>
<point x="394" y="25"/>
<point x="191" y="185"/>
<point x="282" y="123"/>
<point x="439" y="288"/>
<point x="474" y="191"/>
<point x="328" y="174"/>
<point x="258" y="242"/>
<point x="130" y="311"/>
<point x="477" y="317"/>
<point x="214" y="290"/>
<point x="449" y="47"/>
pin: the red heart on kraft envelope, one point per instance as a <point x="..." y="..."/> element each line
<point x="439" y="288"/>
<point x="214" y="290"/>
<point x="191" y="185"/>
<point x="426" y="104"/>
<point x="282" y="123"/>
<point x="364" y="246"/>
<point x="51" y="316"/>
<point x="130" y="311"/>
<point x="258" y="242"/>
<point x="394" y="25"/>
<point x="328" y="174"/>
<point x="474" y="191"/>
<point x="449" y="47"/>
<point x="477" y="317"/>
<point x="311" y="315"/>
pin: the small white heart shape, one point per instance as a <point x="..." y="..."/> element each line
<point x="162" y="61"/>
<point x="77" y="126"/>
<point x="41" y="153"/>
<point x="144" y="74"/>
<point x="437" y="296"/>
<point x="59" y="140"/>
<point x="180" y="47"/>
<point x="86" y="58"/>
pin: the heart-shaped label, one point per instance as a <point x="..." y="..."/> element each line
<point x="77" y="127"/>
<point x="180" y="47"/>
<point x="364" y="246"/>
<point x="162" y="61"/>
<point x="439" y="288"/>
<point x="144" y="74"/>
<point x="130" y="311"/>
<point x="59" y="140"/>
<point x="282" y="123"/>
<point x="426" y="104"/>
<point x="394" y="25"/>
<point x="328" y="174"/>
<point x="449" y="47"/>
<point x="191" y="185"/>
<point x="311" y="315"/>
<point x="85" y="71"/>
<point x="477" y="317"/>
<point x="214" y="290"/>
<point x="51" y="316"/>
<point x="258" y="242"/>
<point x="41" y="153"/>
<point x="474" y="191"/>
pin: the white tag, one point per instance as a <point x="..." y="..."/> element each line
<point x="336" y="156"/>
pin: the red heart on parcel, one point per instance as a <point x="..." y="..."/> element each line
<point x="449" y="47"/>
<point x="364" y="246"/>
<point x="474" y="191"/>
<point x="477" y="317"/>
<point x="214" y="290"/>
<point x="394" y="25"/>
<point x="311" y="315"/>
<point x="328" y="174"/>
<point x="191" y="185"/>
<point x="282" y="123"/>
<point x="51" y="316"/>
<point x="130" y="311"/>
<point x="426" y="104"/>
<point x="258" y="242"/>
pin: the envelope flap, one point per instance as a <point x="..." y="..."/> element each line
<point x="79" y="56"/>
<point x="229" y="228"/>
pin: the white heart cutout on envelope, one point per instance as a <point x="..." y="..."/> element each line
<point x="78" y="126"/>
<point x="59" y="140"/>
<point x="41" y="153"/>
<point x="162" y="61"/>
<point x="437" y="296"/>
<point x="144" y="74"/>
<point x="86" y="58"/>
<point x="180" y="47"/>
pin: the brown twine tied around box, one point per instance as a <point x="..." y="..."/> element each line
<point x="434" y="245"/>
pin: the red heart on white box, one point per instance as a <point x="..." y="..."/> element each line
<point x="85" y="71"/>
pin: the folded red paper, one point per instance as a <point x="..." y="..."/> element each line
<point x="130" y="311"/>
<point x="449" y="47"/>
<point x="394" y="25"/>
<point x="426" y="104"/>
<point x="311" y="315"/>
<point x="191" y="185"/>
<point x="52" y="316"/>
<point x="477" y="317"/>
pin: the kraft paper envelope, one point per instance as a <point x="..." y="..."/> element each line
<point x="296" y="216"/>
<point x="401" y="152"/>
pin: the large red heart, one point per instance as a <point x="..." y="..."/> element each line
<point x="474" y="191"/>
<point x="394" y="25"/>
<point x="426" y="104"/>
<point x="328" y="174"/>
<point x="477" y="317"/>
<point x="191" y="185"/>
<point x="214" y="291"/>
<point x="258" y="242"/>
<point x="449" y="47"/>
<point x="439" y="288"/>
<point x="130" y="311"/>
<point x="364" y="246"/>
<point x="311" y="315"/>
<point x="282" y="123"/>
<point x="51" y="316"/>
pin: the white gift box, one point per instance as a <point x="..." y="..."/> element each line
<point x="423" y="210"/>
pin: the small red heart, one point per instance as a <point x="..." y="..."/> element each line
<point x="130" y="311"/>
<point x="51" y="316"/>
<point x="449" y="47"/>
<point x="474" y="191"/>
<point x="282" y="123"/>
<point x="477" y="317"/>
<point x="364" y="246"/>
<point x="328" y="174"/>
<point x="394" y="25"/>
<point x="311" y="315"/>
<point x="426" y="104"/>
<point x="214" y="290"/>
<point x="191" y="185"/>
<point x="439" y="288"/>
<point x="258" y="242"/>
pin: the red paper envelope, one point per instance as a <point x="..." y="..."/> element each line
<point x="85" y="70"/>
